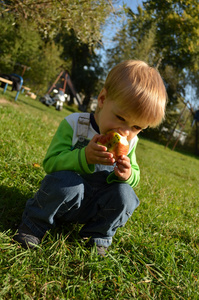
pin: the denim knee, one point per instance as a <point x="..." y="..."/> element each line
<point x="60" y="192"/>
<point x="115" y="204"/>
<point x="57" y="185"/>
<point x="126" y="197"/>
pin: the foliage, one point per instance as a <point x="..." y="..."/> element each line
<point x="23" y="46"/>
<point x="132" y="41"/>
<point x="7" y="42"/>
<point x="47" y="36"/>
<point x="177" y="39"/>
<point x="155" y="256"/>
<point x="165" y="34"/>
<point x="44" y="60"/>
<point x="83" y="16"/>
<point x="177" y="31"/>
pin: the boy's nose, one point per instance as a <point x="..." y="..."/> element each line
<point x="123" y="132"/>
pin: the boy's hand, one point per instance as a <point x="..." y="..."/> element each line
<point x="123" y="168"/>
<point x="96" y="154"/>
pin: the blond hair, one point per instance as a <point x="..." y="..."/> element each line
<point x="139" y="88"/>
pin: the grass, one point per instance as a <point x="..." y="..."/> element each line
<point x="155" y="256"/>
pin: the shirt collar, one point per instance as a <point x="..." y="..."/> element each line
<point x="93" y="123"/>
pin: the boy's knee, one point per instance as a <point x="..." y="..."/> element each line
<point x="127" y="197"/>
<point x="59" y="183"/>
<point x="63" y="177"/>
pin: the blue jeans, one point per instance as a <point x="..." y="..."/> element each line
<point x="88" y="200"/>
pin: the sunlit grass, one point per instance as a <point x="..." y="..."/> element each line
<point x="155" y="256"/>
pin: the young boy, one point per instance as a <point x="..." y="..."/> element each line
<point x="84" y="183"/>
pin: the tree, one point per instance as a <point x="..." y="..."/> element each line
<point x="83" y="63"/>
<point x="165" y="34"/>
<point x="85" y="17"/>
<point x="176" y="40"/>
<point x="129" y="45"/>
<point x="29" y="37"/>
<point x="7" y="42"/>
<point x="177" y="45"/>
<point x="177" y="23"/>
<point x="22" y="45"/>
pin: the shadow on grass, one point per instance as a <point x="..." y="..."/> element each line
<point x="72" y="109"/>
<point x="34" y="106"/>
<point x="12" y="203"/>
<point x="70" y="231"/>
<point x="178" y="149"/>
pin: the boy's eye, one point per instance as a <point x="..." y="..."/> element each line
<point x="120" y="118"/>
<point x="137" y="127"/>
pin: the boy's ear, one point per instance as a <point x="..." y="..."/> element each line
<point x="101" y="97"/>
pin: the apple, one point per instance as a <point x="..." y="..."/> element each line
<point x="115" y="143"/>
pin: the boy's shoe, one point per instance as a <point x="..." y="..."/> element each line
<point x="101" y="250"/>
<point x="26" y="237"/>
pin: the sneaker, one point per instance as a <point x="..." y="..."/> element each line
<point x="26" y="237"/>
<point x="101" y="250"/>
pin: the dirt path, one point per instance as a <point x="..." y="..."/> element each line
<point x="4" y="101"/>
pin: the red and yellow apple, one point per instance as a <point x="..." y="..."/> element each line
<point x="115" y="143"/>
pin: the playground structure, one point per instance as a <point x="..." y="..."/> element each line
<point x="16" y="82"/>
<point x="193" y="114"/>
<point x="58" y="89"/>
<point x="13" y="79"/>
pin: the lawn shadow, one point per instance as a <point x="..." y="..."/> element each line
<point x="34" y="106"/>
<point x="70" y="231"/>
<point x="12" y="203"/>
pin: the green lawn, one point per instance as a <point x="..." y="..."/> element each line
<point x="155" y="256"/>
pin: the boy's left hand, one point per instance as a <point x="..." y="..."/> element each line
<point x="123" y="168"/>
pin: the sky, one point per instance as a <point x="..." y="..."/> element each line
<point x="111" y="30"/>
<point x="131" y="3"/>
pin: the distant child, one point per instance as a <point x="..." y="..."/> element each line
<point x="84" y="184"/>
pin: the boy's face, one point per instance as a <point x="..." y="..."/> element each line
<point x="113" y="116"/>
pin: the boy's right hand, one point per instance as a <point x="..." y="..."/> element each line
<point x="97" y="154"/>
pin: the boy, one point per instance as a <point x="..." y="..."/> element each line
<point x="84" y="183"/>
